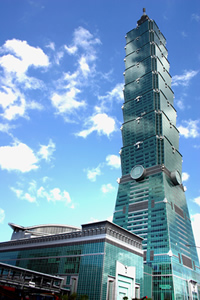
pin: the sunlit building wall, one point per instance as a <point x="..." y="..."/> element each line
<point x="151" y="200"/>
<point x="101" y="260"/>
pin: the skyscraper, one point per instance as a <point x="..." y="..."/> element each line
<point x="151" y="200"/>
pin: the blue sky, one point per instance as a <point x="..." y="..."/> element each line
<point x="61" y="73"/>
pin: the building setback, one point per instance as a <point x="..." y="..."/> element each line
<point x="151" y="200"/>
<point x="101" y="260"/>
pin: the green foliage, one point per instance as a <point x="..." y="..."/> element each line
<point x="84" y="297"/>
<point x="64" y="297"/>
<point x="73" y="296"/>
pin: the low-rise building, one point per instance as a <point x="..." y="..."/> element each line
<point x="101" y="260"/>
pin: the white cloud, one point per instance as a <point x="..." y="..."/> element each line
<point x="41" y="192"/>
<point x="29" y="198"/>
<point x="34" y="105"/>
<point x="84" y="67"/>
<point x="24" y="195"/>
<point x="51" y="45"/>
<point x="113" y="161"/>
<point x="32" y="185"/>
<point x="23" y="56"/>
<point x="32" y="83"/>
<point x="71" y="50"/>
<point x="71" y="78"/>
<point x="14" y="104"/>
<point x="46" y="152"/>
<point x="195" y="17"/>
<point x="185" y="176"/>
<point x="5" y="127"/>
<point x="2" y="215"/>
<point x="184" y="79"/>
<point x="184" y="34"/>
<point x="18" y="192"/>
<point x="18" y="157"/>
<point x="102" y="123"/>
<point x="190" y="129"/>
<point x="196" y="225"/>
<point x="180" y="104"/>
<point x="84" y="39"/>
<point x="83" y="48"/>
<point x="8" y="96"/>
<point x="56" y="55"/>
<point x="67" y="103"/>
<point x="59" y="55"/>
<point x="16" y="59"/>
<point x="93" y="173"/>
<point x="12" y="64"/>
<point x="83" y="42"/>
<point x="197" y="200"/>
<point x="55" y="195"/>
<point x="45" y="179"/>
<point x="32" y="194"/>
<point x="14" y="111"/>
<point x="116" y="94"/>
<point x="107" y="188"/>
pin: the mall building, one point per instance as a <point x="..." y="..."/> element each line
<point x="101" y="260"/>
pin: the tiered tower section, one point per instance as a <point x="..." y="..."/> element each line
<point x="151" y="200"/>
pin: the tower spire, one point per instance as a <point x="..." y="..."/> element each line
<point x="143" y="18"/>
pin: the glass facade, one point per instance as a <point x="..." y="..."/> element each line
<point x="127" y="259"/>
<point x="151" y="200"/>
<point x="86" y="259"/>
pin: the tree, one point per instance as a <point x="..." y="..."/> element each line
<point x="73" y="296"/>
<point x="64" y="297"/>
<point x="84" y="297"/>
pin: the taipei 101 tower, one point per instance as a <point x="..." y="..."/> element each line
<point x="151" y="200"/>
